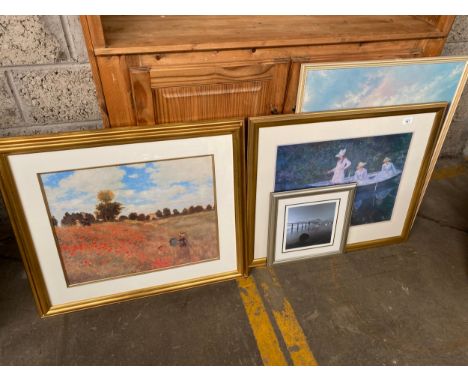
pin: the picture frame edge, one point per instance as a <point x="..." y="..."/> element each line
<point x="80" y="305"/>
<point x="275" y="197"/>
<point x="41" y="143"/>
<point x="305" y="66"/>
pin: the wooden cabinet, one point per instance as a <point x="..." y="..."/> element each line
<point x="207" y="91"/>
<point x="155" y="69"/>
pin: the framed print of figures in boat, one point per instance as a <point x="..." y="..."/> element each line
<point x="104" y="216"/>
<point x="385" y="151"/>
<point x="309" y="223"/>
<point x="335" y="86"/>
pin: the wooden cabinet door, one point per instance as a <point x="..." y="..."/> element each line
<point x="208" y="91"/>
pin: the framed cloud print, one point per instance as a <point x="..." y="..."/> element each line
<point x="104" y="216"/>
<point x="309" y="223"/>
<point x="384" y="151"/>
<point x="335" y="86"/>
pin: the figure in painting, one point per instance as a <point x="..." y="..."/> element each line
<point x="360" y="175"/>
<point x="183" y="239"/>
<point x="342" y="165"/>
<point x="388" y="169"/>
<point x="359" y="160"/>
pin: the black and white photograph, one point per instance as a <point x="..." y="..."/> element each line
<point x="310" y="225"/>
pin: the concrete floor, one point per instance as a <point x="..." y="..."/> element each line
<point x="404" y="304"/>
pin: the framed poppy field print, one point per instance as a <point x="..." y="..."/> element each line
<point x="384" y="151"/>
<point x="111" y="215"/>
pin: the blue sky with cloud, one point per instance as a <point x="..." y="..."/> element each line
<point x="141" y="188"/>
<point x="345" y="88"/>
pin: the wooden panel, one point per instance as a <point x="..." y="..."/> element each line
<point x="192" y="93"/>
<point x="442" y="23"/>
<point x="96" y="31"/>
<point x="151" y="34"/>
<point x="142" y="96"/>
<point x="322" y="53"/>
<point x="117" y="90"/>
<point x="95" y="71"/>
<point x="433" y="47"/>
<point x="289" y="106"/>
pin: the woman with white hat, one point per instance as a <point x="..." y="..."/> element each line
<point x="341" y="165"/>
<point x="388" y="169"/>
<point x="360" y="175"/>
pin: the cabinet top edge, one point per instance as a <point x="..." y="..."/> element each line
<point x="171" y="34"/>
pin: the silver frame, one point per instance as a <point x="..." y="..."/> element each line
<point x="275" y="197"/>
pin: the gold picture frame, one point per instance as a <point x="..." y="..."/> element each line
<point x="231" y="132"/>
<point x="309" y="247"/>
<point x="453" y="103"/>
<point x="307" y="123"/>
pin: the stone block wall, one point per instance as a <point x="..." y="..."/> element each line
<point x="45" y="79"/>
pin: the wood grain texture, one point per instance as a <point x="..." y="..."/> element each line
<point x="151" y="34"/>
<point x="142" y="96"/>
<point x="289" y="106"/>
<point x="117" y="90"/>
<point x="96" y="31"/>
<point x="433" y="47"/>
<point x="95" y="71"/>
<point x="442" y="23"/>
<point x="192" y="93"/>
<point x="319" y="53"/>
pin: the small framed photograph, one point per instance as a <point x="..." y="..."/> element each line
<point x="110" y="215"/>
<point x="309" y="223"/>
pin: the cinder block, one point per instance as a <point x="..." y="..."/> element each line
<point x="32" y="40"/>
<point x="63" y="94"/>
<point x="455" y="49"/>
<point x="462" y="110"/>
<point x="50" y="129"/>
<point x="9" y="114"/>
<point x="76" y="40"/>
<point x="459" y="31"/>
<point x="456" y="139"/>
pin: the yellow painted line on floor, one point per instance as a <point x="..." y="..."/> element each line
<point x="260" y="323"/>
<point x="449" y="172"/>
<point x="294" y="337"/>
<point x="289" y="327"/>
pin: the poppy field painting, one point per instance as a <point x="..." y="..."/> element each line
<point x="121" y="220"/>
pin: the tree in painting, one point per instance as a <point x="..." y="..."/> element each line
<point x="107" y="210"/>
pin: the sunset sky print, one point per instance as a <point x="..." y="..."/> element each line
<point x="142" y="188"/>
<point x="347" y="88"/>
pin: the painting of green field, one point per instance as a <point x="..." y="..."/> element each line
<point x="108" y="250"/>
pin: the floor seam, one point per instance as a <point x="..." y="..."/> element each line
<point x="438" y="222"/>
